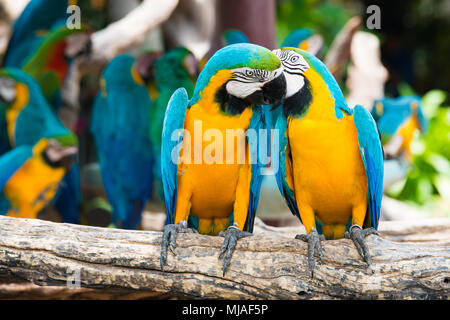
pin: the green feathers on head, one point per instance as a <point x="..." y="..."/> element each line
<point x="236" y="56"/>
<point x="66" y="140"/>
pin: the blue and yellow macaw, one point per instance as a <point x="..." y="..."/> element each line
<point x="398" y="119"/>
<point x="30" y="175"/>
<point x="120" y="126"/>
<point x="26" y="117"/>
<point x="330" y="168"/>
<point x="215" y="190"/>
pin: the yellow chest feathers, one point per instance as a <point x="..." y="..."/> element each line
<point x="32" y="187"/>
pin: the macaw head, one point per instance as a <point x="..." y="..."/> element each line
<point x="145" y="65"/>
<point x="121" y="72"/>
<point x="307" y="77"/>
<point x="58" y="150"/>
<point x="241" y="75"/>
<point x="33" y="117"/>
<point x="7" y="90"/>
<point x="176" y="64"/>
<point x="304" y="39"/>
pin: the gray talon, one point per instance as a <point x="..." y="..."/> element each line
<point x="232" y="235"/>
<point x="357" y="234"/>
<point x="169" y="239"/>
<point x="313" y="239"/>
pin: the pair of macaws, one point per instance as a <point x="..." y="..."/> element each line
<point x="127" y="122"/>
<point x="330" y="168"/>
<point x="36" y="149"/>
<point x="38" y="47"/>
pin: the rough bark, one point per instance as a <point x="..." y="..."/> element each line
<point x="269" y="265"/>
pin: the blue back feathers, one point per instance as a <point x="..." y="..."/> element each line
<point x="120" y="125"/>
<point x="296" y="37"/>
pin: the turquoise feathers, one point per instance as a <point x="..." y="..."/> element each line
<point x="120" y="126"/>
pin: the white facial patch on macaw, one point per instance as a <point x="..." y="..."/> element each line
<point x="294" y="66"/>
<point x="7" y="89"/>
<point x="246" y="81"/>
<point x="55" y="151"/>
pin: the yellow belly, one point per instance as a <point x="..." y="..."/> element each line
<point x="32" y="187"/>
<point x="329" y="174"/>
<point x="211" y="164"/>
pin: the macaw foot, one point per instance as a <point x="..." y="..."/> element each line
<point x="169" y="239"/>
<point x="232" y="235"/>
<point x="313" y="239"/>
<point x="357" y="234"/>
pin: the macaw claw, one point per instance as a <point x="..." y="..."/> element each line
<point x="169" y="239"/>
<point x="232" y="235"/>
<point x="357" y="234"/>
<point x="313" y="239"/>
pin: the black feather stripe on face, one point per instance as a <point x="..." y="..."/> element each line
<point x="298" y="104"/>
<point x="229" y="104"/>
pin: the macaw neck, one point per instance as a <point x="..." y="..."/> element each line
<point x="322" y="105"/>
<point x="22" y="98"/>
<point x="213" y="90"/>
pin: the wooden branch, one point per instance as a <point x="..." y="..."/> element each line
<point x="265" y="266"/>
<point x="128" y="32"/>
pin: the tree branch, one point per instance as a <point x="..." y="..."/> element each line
<point x="265" y="266"/>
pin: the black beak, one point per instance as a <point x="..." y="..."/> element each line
<point x="272" y="92"/>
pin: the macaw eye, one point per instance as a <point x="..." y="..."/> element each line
<point x="249" y="73"/>
<point x="294" y="58"/>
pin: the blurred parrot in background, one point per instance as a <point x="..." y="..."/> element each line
<point x="120" y="126"/>
<point x="25" y="118"/>
<point x="30" y="175"/>
<point x="218" y="195"/>
<point x="398" y="119"/>
<point x="33" y="24"/>
<point x="330" y="168"/>
<point x="304" y="39"/>
<point x="233" y="36"/>
<point x="176" y="68"/>
<point x="38" y="46"/>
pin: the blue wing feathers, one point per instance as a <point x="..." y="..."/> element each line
<point x="372" y="156"/>
<point x="173" y="122"/>
<point x="281" y="146"/>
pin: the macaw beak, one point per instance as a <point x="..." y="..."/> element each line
<point x="271" y="93"/>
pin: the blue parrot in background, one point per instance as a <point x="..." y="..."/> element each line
<point x="38" y="17"/>
<point x="37" y="45"/>
<point x="397" y="120"/>
<point x="120" y="126"/>
<point x="218" y="196"/>
<point x="330" y="168"/>
<point x="26" y="117"/>
<point x="233" y="36"/>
